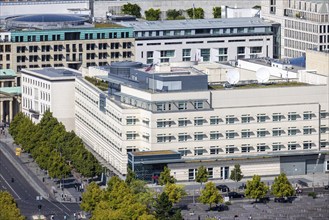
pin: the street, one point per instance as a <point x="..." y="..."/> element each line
<point x="25" y="195"/>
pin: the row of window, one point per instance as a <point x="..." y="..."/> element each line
<point x="36" y="82"/>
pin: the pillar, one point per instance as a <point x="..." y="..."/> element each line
<point x="1" y="111"/>
<point x="10" y="113"/>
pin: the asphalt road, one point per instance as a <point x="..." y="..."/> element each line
<point x="26" y="196"/>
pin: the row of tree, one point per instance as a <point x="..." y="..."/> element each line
<point x="8" y="207"/>
<point x="52" y="147"/>
<point x="131" y="199"/>
<point x="172" y="14"/>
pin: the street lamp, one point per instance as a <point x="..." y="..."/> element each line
<point x="313" y="182"/>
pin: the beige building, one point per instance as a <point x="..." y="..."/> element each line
<point x="304" y="24"/>
<point x="63" y="41"/>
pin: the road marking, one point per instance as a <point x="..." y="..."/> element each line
<point x="10" y="186"/>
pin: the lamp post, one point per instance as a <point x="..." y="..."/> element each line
<point x="313" y="182"/>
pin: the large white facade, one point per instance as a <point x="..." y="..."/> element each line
<point x="304" y="24"/>
<point x="218" y="127"/>
<point x="214" y="40"/>
<point x="51" y="89"/>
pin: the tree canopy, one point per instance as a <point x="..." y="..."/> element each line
<point x="8" y="207"/>
<point x="131" y="9"/>
<point x="175" y="192"/>
<point x="165" y="177"/>
<point x="255" y="188"/>
<point x="282" y="187"/>
<point x="173" y="14"/>
<point x="236" y="173"/>
<point x="201" y="175"/>
<point x="52" y="147"/>
<point x="217" y="12"/>
<point x="152" y="14"/>
<point x="195" y="13"/>
<point x="119" y="200"/>
<point x="210" y="195"/>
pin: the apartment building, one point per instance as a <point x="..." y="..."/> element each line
<point x="150" y="114"/>
<point x="49" y="89"/>
<point x="45" y="40"/>
<point x="214" y="40"/>
<point x="304" y="24"/>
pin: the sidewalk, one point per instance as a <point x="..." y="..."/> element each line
<point x="47" y="187"/>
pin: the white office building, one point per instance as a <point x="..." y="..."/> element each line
<point x="49" y="88"/>
<point x="148" y="114"/>
<point x="213" y="40"/>
<point x="304" y="24"/>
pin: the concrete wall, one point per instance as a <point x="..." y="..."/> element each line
<point x="318" y="61"/>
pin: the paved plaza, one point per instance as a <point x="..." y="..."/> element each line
<point x="303" y="207"/>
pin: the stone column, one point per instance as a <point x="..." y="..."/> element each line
<point x="1" y="111"/>
<point x="10" y="113"/>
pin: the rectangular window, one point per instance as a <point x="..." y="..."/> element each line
<point x="131" y="135"/>
<point x="182" y="137"/>
<point x="149" y="57"/>
<point x="198" y="104"/>
<point x="261" y="147"/>
<point x="183" y="151"/>
<point x="222" y="54"/>
<point x="191" y="174"/>
<point x="261" y="118"/>
<point x="186" y="54"/>
<point x="307" y="130"/>
<point x="163" y="138"/>
<point x="230" y="119"/>
<point x="205" y="54"/>
<point x="276" y="131"/>
<point x="229" y="149"/>
<point x="214" y="149"/>
<point x="245" y="119"/>
<point x="198" y="121"/>
<point x="255" y="50"/>
<point x="323" y="129"/>
<point x="307" y="115"/>
<point x="230" y="134"/>
<point x="276" y="117"/>
<point x="131" y="120"/>
<point x="182" y="105"/>
<point x="198" y="151"/>
<point x="292" y="116"/>
<point x="292" y="131"/>
<point x="182" y="122"/>
<point x="307" y="145"/>
<point x="261" y="132"/>
<point x="292" y="146"/>
<point x="245" y="133"/>
<point x="245" y="148"/>
<point x="161" y="107"/>
<point x="210" y="172"/>
<point x="277" y="146"/>
<point x="214" y="135"/>
<point x="198" y="136"/>
<point x="214" y="120"/>
<point x="167" y="53"/>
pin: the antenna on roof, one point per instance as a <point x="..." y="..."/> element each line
<point x="233" y="76"/>
<point x="262" y="75"/>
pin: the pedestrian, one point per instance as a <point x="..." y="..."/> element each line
<point x="74" y="215"/>
<point x="250" y="218"/>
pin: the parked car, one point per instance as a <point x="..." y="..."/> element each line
<point x="326" y="187"/>
<point x="289" y="199"/>
<point x="233" y="195"/>
<point x="223" y="188"/>
<point x="243" y="186"/>
<point x="265" y="199"/>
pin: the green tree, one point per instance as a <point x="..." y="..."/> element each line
<point x="91" y="197"/>
<point x="173" y="14"/>
<point x="201" y="175"/>
<point x="163" y="207"/>
<point x="8" y="207"/>
<point x="217" y="12"/>
<point x="195" y="13"/>
<point x="236" y="173"/>
<point x="255" y="188"/>
<point x="152" y="14"/>
<point x="175" y="192"/>
<point x="131" y="9"/>
<point x="131" y="176"/>
<point x="165" y="177"/>
<point x="210" y="195"/>
<point x="282" y="187"/>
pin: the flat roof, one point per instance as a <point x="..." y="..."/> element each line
<point x="51" y="73"/>
<point x="195" y="24"/>
<point x="152" y="153"/>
